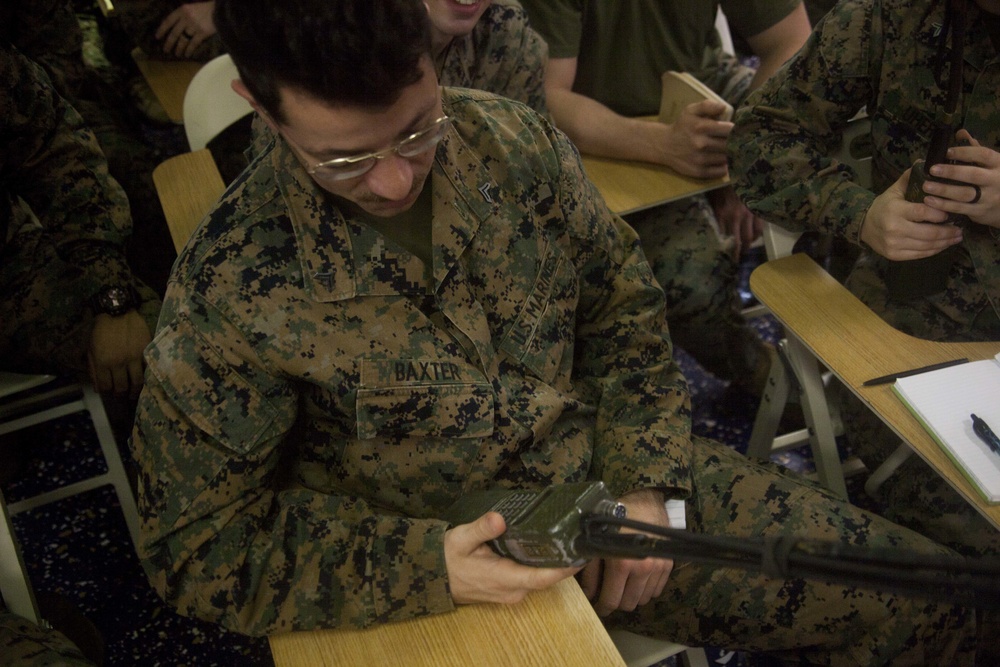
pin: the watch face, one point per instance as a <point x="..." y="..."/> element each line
<point x="115" y="300"/>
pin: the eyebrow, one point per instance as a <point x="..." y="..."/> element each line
<point x="418" y="123"/>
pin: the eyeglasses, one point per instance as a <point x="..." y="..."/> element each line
<point x="342" y="168"/>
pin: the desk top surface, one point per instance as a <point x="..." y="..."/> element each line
<point x="857" y="345"/>
<point x="169" y="80"/>
<point x="628" y="186"/>
<point x="556" y="626"/>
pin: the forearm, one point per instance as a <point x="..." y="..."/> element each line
<point x="597" y="130"/>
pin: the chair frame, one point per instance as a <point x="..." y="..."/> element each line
<point x="23" y="410"/>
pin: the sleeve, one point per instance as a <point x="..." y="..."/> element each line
<point x="754" y="17"/>
<point x="560" y="24"/>
<point x="507" y="57"/>
<point x="624" y="358"/>
<point x="228" y="536"/>
<point x="53" y="162"/>
<point x="787" y="133"/>
<point x="526" y="82"/>
<point x="48" y="32"/>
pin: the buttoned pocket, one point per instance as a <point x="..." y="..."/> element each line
<point x="423" y="399"/>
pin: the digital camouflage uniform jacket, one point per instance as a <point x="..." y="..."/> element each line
<point x="879" y="53"/>
<point x="51" y="162"/>
<point x="309" y="408"/>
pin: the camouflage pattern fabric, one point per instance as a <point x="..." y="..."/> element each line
<point x="52" y="35"/>
<point x="801" y="621"/>
<point x="48" y="33"/>
<point x="694" y="265"/>
<point x="27" y="645"/>
<point x="502" y="54"/>
<point x="880" y="54"/>
<point x="313" y="401"/>
<point x="63" y="222"/>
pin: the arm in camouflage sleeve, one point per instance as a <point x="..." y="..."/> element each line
<point x="788" y="130"/>
<point x="227" y="536"/>
<point x="53" y="162"/>
<point x="523" y="62"/>
<point x="623" y="357"/>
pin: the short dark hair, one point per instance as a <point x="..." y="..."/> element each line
<point x="343" y="52"/>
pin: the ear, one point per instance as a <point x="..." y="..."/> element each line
<point x="240" y="89"/>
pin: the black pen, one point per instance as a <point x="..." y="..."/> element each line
<point x="892" y="377"/>
<point x="986" y="434"/>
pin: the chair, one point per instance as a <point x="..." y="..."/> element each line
<point x="188" y="185"/>
<point x="799" y="372"/>
<point x="15" y="589"/>
<point x="642" y="651"/>
<point x="28" y="400"/>
<point x="210" y="103"/>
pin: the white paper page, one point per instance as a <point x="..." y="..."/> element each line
<point x="946" y="398"/>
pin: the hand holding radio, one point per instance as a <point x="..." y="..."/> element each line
<point x="625" y="584"/>
<point x="895" y="228"/>
<point x="972" y="182"/>
<point x="477" y="573"/>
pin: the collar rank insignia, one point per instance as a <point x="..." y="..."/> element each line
<point x="484" y="190"/>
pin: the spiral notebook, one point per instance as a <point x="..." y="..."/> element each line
<point x="943" y="401"/>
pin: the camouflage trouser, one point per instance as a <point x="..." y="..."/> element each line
<point x="27" y="645"/>
<point x="800" y="620"/>
<point x="45" y="321"/>
<point x="691" y="262"/>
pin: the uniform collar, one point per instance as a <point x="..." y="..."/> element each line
<point x="464" y="194"/>
<point x="978" y="47"/>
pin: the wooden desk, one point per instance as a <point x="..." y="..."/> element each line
<point x="556" y="626"/>
<point x="188" y="186"/>
<point x="629" y="186"/>
<point x="169" y="80"/>
<point x="857" y="345"/>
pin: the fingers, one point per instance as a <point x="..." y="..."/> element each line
<point x="135" y="377"/>
<point x="590" y="577"/>
<point x="629" y="584"/>
<point x="181" y="37"/>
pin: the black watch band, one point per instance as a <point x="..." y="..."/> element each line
<point x="114" y="300"/>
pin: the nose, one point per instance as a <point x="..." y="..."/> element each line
<point x="391" y="177"/>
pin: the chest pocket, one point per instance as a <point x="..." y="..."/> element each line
<point x="423" y="398"/>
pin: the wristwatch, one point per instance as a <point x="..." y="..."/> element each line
<point x="114" y="300"/>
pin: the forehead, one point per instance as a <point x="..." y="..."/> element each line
<point x="319" y="126"/>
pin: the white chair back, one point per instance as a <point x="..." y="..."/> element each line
<point x="210" y="103"/>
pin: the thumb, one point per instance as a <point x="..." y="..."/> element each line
<point x="471" y="536"/>
<point x="489" y="527"/>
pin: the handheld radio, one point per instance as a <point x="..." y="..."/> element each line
<point x="917" y="278"/>
<point x="543" y="527"/>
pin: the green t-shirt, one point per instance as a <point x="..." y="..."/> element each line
<point x="623" y="46"/>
